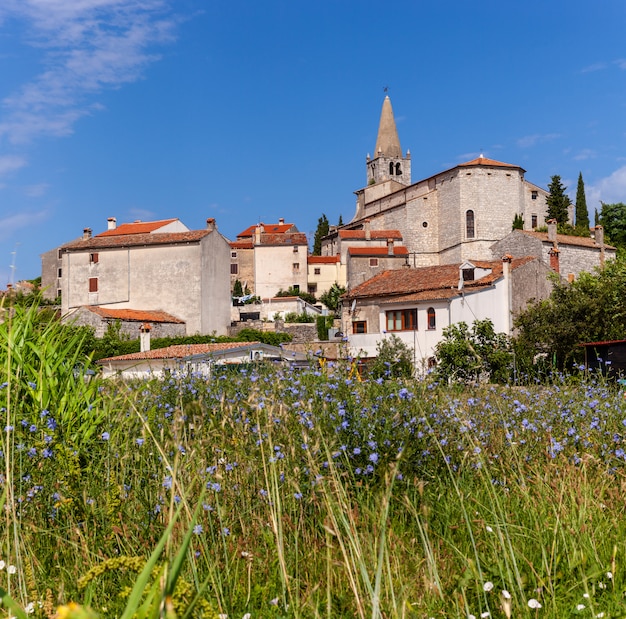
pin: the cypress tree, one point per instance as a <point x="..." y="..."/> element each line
<point x="582" y="215"/>
<point x="322" y="230"/>
<point x="557" y="201"/>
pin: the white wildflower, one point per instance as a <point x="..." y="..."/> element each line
<point x="533" y="603"/>
<point x="586" y="596"/>
<point x="580" y="607"/>
<point x="488" y="586"/>
<point x="609" y="575"/>
<point x="600" y="615"/>
<point x="488" y="529"/>
<point x="247" y="616"/>
<point x="2" y="565"/>
<point x="506" y="594"/>
<point x="11" y="569"/>
<point x="485" y="615"/>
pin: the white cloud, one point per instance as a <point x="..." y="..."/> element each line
<point x="537" y="138"/>
<point x="585" y="153"/>
<point x="88" y="46"/>
<point x="11" y="224"/>
<point x="610" y="189"/>
<point x="598" y="66"/>
<point x="36" y="191"/>
<point x="10" y="163"/>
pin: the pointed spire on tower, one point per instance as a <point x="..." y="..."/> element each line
<point x="388" y="142"/>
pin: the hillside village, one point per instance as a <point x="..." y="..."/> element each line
<point x="415" y="258"/>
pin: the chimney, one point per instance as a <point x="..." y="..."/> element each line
<point x="281" y="221"/>
<point x="86" y="234"/>
<point x="368" y="230"/>
<point x="552" y="231"/>
<point x="506" y="265"/>
<point x="144" y="337"/>
<point x="258" y="231"/>
<point x="554" y="259"/>
<point x="210" y="224"/>
<point x="390" y="247"/>
<point x="111" y="223"/>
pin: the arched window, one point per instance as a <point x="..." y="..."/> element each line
<point x="398" y="169"/>
<point x="432" y="322"/>
<point x="469" y="224"/>
<point x="392" y="167"/>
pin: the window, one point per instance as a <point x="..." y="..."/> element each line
<point x="468" y="275"/>
<point x="59" y="254"/>
<point x="469" y="224"/>
<point x="233" y="254"/>
<point x="234" y="269"/>
<point x="373" y="262"/>
<point x="296" y="266"/>
<point x="533" y="195"/>
<point x="296" y="287"/>
<point x="402" y="320"/>
<point x="295" y="249"/>
<point x="359" y="326"/>
<point x="533" y="219"/>
<point x="312" y="288"/>
<point x="317" y="271"/>
<point x="93" y="258"/>
<point x="432" y="322"/>
<point x="59" y="273"/>
<point x="93" y="284"/>
<point x="432" y="363"/>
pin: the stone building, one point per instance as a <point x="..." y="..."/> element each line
<point x="267" y="258"/>
<point x="417" y="304"/>
<point x="455" y="215"/>
<point x="151" y="266"/>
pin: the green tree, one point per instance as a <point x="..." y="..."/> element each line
<point x="237" y="289"/>
<point x="394" y="359"/>
<point x="518" y="222"/>
<point x="322" y="230"/>
<point x="582" y="214"/>
<point x="592" y="308"/>
<point x="558" y="202"/>
<point x="340" y="222"/>
<point x="613" y="218"/>
<point x="332" y="296"/>
<point x="292" y="292"/>
<point x="474" y="354"/>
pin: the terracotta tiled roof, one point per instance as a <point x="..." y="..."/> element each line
<point x="179" y="351"/>
<point x="269" y="229"/>
<point x="376" y="251"/>
<point x="429" y="282"/>
<point x="323" y="259"/>
<point x="134" y="315"/>
<point x="242" y="245"/>
<point x="288" y="238"/>
<point x="566" y="239"/>
<point x="374" y="234"/>
<point x="137" y="227"/>
<point x="487" y="162"/>
<point x="136" y="240"/>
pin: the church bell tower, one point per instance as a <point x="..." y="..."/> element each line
<point x="388" y="162"/>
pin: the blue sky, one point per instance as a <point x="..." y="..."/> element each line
<point x="252" y="110"/>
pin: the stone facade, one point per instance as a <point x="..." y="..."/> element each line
<point x="184" y="273"/>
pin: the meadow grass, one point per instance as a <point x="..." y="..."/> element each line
<point x="303" y="494"/>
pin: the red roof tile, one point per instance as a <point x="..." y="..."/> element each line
<point x="136" y="240"/>
<point x="437" y="280"/>
<point x="487" y="162"/>
<point x="323" y="259"/>
<point x="376" y="251"/>
<point x="137" y="227"/>
<point x="288" y="238"/>
<point x="242" y="245"/>
<point x="566" y="239"/>
<point x="179" y="351"/>
<point x="134" y="315"/>
<point x="374" y="234"/>
<point x="269" y="229"/>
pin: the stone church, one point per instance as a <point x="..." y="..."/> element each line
<point x="453" y="216"/>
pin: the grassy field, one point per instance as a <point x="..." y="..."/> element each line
<point x="266" y="493"/>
